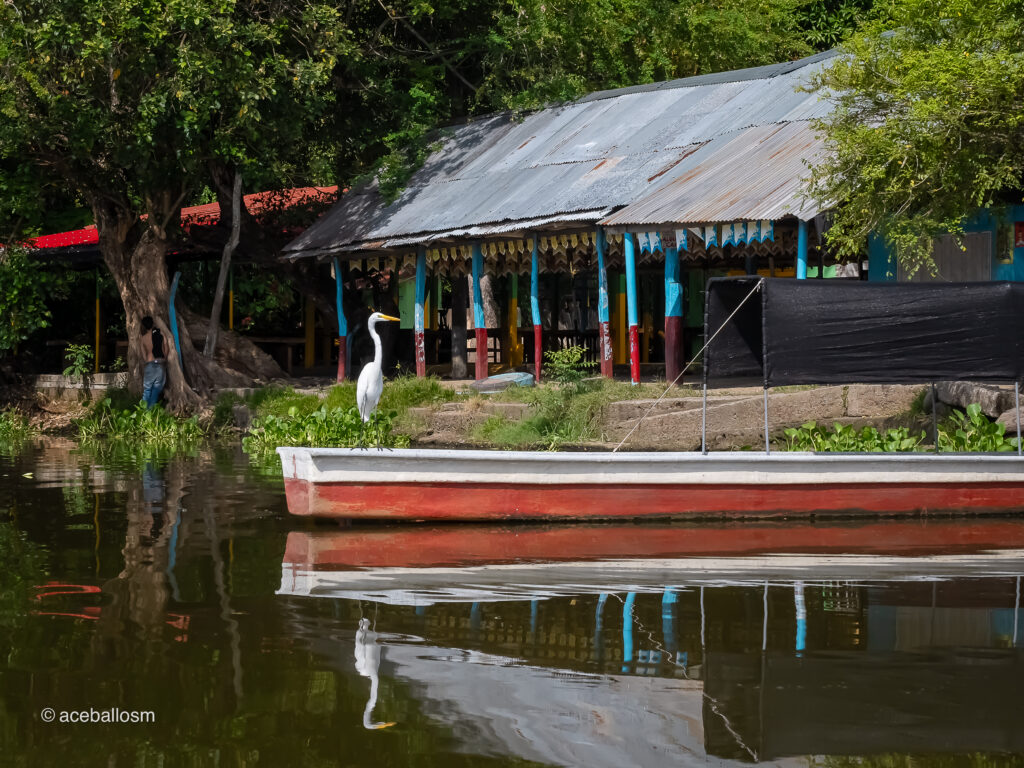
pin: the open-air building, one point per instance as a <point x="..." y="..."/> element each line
<point x="596" y="222"/>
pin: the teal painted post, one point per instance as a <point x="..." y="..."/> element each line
<point x="478" y="313"/>
<point x="801" y="251"/>
<point x="632" y="309"/>
<point x="421" y="297"/>
<point x="174" y="320"/>
<point x="605" y="336"/>
<point x="673" y="315"/>
<point x="339" y="284"/>
<point x="627" y="631"/>
<point x="538" y="334"/>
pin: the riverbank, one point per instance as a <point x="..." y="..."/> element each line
<point x="594" y="414"/>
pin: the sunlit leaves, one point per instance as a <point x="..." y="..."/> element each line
<point x="929" y="123"/>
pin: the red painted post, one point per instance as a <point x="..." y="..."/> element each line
<point x="634" y="354"/>
<point x="342" y="353"/>
<point x="481" y="353"/>
<point x="538" y="349"/>
<point x="631" y="303"/>
<point x="673" y="344"/>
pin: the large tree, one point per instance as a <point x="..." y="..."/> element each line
<point x="928" y="125"/>
<point x="135" y="105"/>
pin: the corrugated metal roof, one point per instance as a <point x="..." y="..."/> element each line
<point x="755" y="174"/>
<point x="605" y="151"/>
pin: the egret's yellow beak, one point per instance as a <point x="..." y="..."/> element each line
<point x="389" y="317"/>
<point x="379" y="726"/>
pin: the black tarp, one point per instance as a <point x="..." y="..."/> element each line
<point x="839" y="332"/>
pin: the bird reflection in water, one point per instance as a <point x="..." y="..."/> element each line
<point x="368" y="665"/>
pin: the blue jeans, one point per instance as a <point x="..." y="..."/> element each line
<point x="154" y="376"/>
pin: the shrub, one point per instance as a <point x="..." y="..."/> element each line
<point x="567" y="366"/>
<point x="79" y="360"/>
<point x="973" y="431"/>
<point x="323" y="428"/>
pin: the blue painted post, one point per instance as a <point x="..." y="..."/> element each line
<point x="421" y="297"/>
<point x="598" y="626"/>
<point x="174" y="321"/>
<point x="627" y="631"/>
<point x="534" y="605"/>
<point x="605" y="337"/>
<point x="668" y="629"/>
<point x="801" y="251"/>
<point x="632" y="309"/>
<point x="801" y="616"/>
<point x="342" y="322"/>
<point x="478" y="313"/>
<point x="475" y="617"/>
<point x="673" y="315"/>
<point x="538" y="335"/>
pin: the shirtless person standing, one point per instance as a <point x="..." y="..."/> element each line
<point x="154" y="375"/>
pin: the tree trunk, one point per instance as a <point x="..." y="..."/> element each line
<point x="135" y="253"/>
<point x="460" y="300"/>
<point x="225" y="266"/>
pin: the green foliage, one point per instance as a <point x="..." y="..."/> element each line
<point x="558" y="416"/>
<point x="14" y="431"/>
<point x="324" y="427"/>
<point x="567" y="366"/>
<point x="538" y="51"/>
<point x="118" y="365"/>
<point x="79" y="359"/>
<point x="24" y="287"/>
<point x="973" y="431"/>
<point x="826" y="23"/>
<point x="928" y="124"/>
<point x="138" y="424"/>
<point x="969" y="432"/>
<point x="844" y="438"/>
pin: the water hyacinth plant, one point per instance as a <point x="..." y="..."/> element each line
<point x="844" y="438"/>
<point x="323" y="428"/>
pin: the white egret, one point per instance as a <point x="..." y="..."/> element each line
<point x="371" y="378"/>
<point x="368" y="665"/>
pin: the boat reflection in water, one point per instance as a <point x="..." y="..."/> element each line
<point x="667" y="644"/>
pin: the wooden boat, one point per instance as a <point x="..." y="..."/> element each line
<point x="412" y="484"/>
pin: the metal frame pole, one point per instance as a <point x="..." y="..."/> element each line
<point x="1016" y="402"/>
<point x="935" y="418"/>
<point x="764" y="361"/>
<point x="704" y="376"/>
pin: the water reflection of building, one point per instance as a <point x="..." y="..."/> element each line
<point x="737" y="672"/>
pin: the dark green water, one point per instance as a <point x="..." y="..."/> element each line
<point x="162" y="587"/>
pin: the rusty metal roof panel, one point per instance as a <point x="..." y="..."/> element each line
<point x="759" y="173"/>
<point x="603" y="151"/>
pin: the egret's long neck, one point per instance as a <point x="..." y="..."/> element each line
<point x="377" y="353"/>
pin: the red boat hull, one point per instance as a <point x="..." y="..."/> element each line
<point x="501" y="501"/>
<point x="405" y="547"/>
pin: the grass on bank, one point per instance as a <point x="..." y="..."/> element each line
<point x="282" y="416"/>
<point x="564" y="414"/>
<point x="114" y="418"/>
